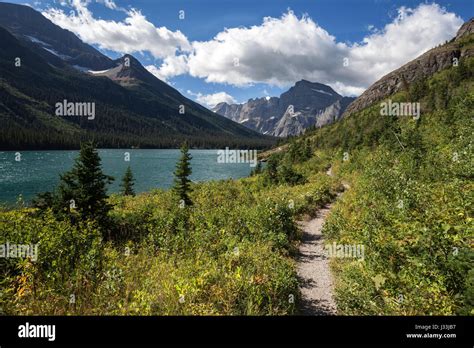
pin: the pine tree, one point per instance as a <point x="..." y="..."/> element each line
<point x="271" y="169"/>
<point x="127" y="183"/>
<point x="84" y="188"/>
<point x="257" y="170"/>
<point x="308" y="151"/>
<point x="183" y="170"/>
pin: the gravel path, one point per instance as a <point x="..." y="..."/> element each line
<point x="315" y="277"/>
<point x="316" y="283"/>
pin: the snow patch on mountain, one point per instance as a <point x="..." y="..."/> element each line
<point x="62" y="56"/>
<point x="35" y="40"/>
<point x="98" y="71"/>
<point x="321" y="91"/>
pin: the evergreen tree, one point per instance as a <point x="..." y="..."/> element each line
<point x="287" y="175"/>
<point x="127" y="183"/>
<point x="308" y="151"/>
<point x="257" y="169"/>
<point x="461" y="72"/>
<point x="44" y="200"/>
<point x="183" y="170"/>
<point x="84" y="188"/>
<point x="272" y="169"/>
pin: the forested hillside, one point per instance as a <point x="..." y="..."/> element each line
<point x="145" y="114"/>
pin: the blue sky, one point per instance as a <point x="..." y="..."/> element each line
<point x="347" y="44"/>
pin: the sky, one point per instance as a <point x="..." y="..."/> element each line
<point x="233" y="50"/>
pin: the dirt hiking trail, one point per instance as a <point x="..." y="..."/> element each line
<point x="316" y="283"/>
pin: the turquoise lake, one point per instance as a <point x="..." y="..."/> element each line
<point x="38" y="171"/>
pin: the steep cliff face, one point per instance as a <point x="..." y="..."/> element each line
<point x="427" y="64"/>
<point x="303" y="105"/>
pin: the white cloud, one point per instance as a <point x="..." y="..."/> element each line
<point x="279" y="51"/>
<point x="412" y="33"/>
<point x="134" y="34"/>
<point x="283" y="50"/>
<point x="172" y="66"/>
<point x="154" y="70"/>
<point x="211" y="100"/>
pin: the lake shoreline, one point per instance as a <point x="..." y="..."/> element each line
<point x="31" y="172"/>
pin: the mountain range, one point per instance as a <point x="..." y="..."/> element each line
<point x="42" y="64"/>
<point x="304" y="105"/>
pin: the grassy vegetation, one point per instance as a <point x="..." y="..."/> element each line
<point x="228" y="254"/>
<point x="231" y="252"/>
<point x="410" y="202"/>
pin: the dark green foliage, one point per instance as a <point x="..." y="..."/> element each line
<point x="44" y="200"/>
<point x="287" y="175"/>
<point x="279" y="170"/>
<point x="460" y="280"/>
<point x="271" y="170"/>
<point x="308" y="150"/>
<point x="418" y="90"/>
<point x="182" y="183"/>
<point x="299" y="151"/>
<point x="84" y="187"/>
<point x="257" y="170"/>
<point x="127" y="183"/>
<point x="463" y="71"/>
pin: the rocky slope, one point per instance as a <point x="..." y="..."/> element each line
<point x="434" y="60"/>
<point x="303" y="105"/>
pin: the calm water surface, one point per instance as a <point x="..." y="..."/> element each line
<point x="38" y="171"/>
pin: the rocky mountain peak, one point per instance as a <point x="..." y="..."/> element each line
<point x="305" y="104"/>
<point x="305" y="84"/>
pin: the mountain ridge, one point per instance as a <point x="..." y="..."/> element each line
<point x="304" y="105"/>
<point x="34" y="29"/>
<point x="146" y="113"/>
<point x="430" y="62"/>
